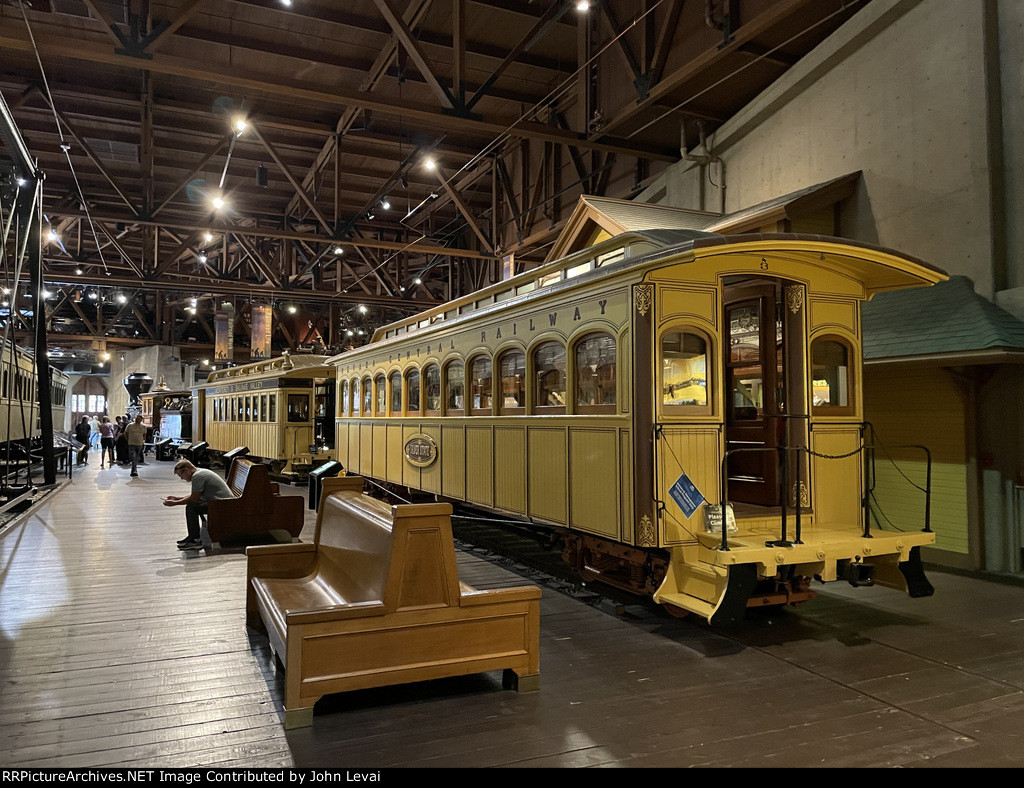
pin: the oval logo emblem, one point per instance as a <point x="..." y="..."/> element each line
<point x="421" y="450"/>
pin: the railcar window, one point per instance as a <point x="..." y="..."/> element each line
<point x="298" y="407"/>
<point x="396" y="393"/>
<point x="382" y="394"/>
<point x="595" y="374"/>
<point x="455" y="389"/>
<point x="240" y="409"/>
<point x="263" y="408"/>
<point x="830" y="359"/>
<point x="432" y="384"/>
<point x="480" y="386"/>
<point x="272" y="406"/>
<point x="344" y="397"/>
<point x="413" y="382"/>
<point x="549" y="374"/>
<point x="356" y="397"/>
<point x="367" y="397"/>
<point x="512" y="368"/>
<point x="684" y="370"/>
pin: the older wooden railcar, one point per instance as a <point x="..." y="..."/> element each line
<point x="19" y="396"/>
<point x="280" y="409"/>
<point x="613" y="395"/>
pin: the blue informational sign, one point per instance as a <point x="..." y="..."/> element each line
<point x="686" y="495"/>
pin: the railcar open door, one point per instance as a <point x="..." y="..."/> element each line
<point x="764" y="371"/>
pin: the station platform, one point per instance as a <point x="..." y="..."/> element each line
<point x="118" y="650"/>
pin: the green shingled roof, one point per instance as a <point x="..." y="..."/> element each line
<point x="945" y="318"/>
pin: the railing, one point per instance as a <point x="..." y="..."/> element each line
<point x="870" y="476"/>
<point x="784" y="451"/>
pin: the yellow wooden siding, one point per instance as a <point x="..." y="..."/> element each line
<point x="430" y="477"/>
<point x="921" y="406"/>
<point x="395" y="454"/>
<point x="510" y="468"/>
<point x="364" y="462"/>
<point x="379" y="455"/>
<point x="836" y="483"/>
<point x="626" y="482"/>
<point x="479" y="465"/>
<point x="828" y="313"/>
<point x="697" y="453"/>
<point x="594" y="488"/>
<point x="410" y="472"/>
<point x="547" y="474"/>
<point x="453" y="461"/>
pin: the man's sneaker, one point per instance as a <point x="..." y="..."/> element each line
<point x="185" y="540"/>
<point x="191" y="544"/>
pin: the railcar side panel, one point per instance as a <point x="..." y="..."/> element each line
<point x="480" y="465"/>
<point x="594" y="483"/>
<point x="696" y="451"/>
<point x="509" y="459"/>
<point x="836" y="482"/>
<point x="547" y="466"/>
<point x="453" y="461"/>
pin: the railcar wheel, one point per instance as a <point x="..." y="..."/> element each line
<point x="675" y="612"/>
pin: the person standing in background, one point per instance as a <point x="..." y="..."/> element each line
<point x="94" y="432"/>
<point x="106" y="441"/>
<point x="82" y="436"/>
<point x="136" y="434"/>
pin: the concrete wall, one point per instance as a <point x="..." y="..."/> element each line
<point x="900" y="93"/>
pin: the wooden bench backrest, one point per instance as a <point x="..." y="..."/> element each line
<point x="402" y="555"/>
<point x="238" y="475"/>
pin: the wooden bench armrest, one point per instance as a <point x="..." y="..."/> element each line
<point x="336" y="613"/>
<point x="470" y="596"/>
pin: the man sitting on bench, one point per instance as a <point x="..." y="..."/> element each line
<point x="206" y="486"/>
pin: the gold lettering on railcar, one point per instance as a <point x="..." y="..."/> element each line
<point x="420" y="450"/>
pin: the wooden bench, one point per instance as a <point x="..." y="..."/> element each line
<point x="375" y="600"/>
<point x="258" y="506"/>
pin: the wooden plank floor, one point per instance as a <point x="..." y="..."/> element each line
<point x="116" y="649"/>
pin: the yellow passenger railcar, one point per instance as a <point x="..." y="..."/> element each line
<point x="19" y="396"/>
<point x="617" y="395"/>
<point x="280" y="409"/>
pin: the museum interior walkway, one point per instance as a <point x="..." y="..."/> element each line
<point x="116" y="649"/>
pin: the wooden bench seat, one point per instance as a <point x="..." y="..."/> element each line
<point x="258" y="506"/>
<point x="376" y="600"/>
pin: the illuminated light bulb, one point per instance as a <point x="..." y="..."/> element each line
<point x="206" y="362"/>
<point x="429" y="163"/>
<point x="582" y="6"/>
<point x="240" y="126"/>
<point x="121" y="298"/>
<point x="385" y="205"/>
<point x="292" y="310"/>
<point x="339" y="250"/>
<point x="78" y="271"/>
<point x="52" y="236"/>
<point x="208" y="237"/>
<point x="418" y="281"/>
<point x="351" y="333"/>
<point x="218" y="202"/>
<point x="202" y="257"/>
<point x="362" y="309"/>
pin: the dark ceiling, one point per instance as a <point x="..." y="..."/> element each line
<point x="523" y="105"/>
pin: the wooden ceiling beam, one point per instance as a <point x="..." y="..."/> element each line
<point x="65" y="46"/>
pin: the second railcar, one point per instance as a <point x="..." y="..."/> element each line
<point x="281" y="409"/>
<point x="619" y="395"/>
